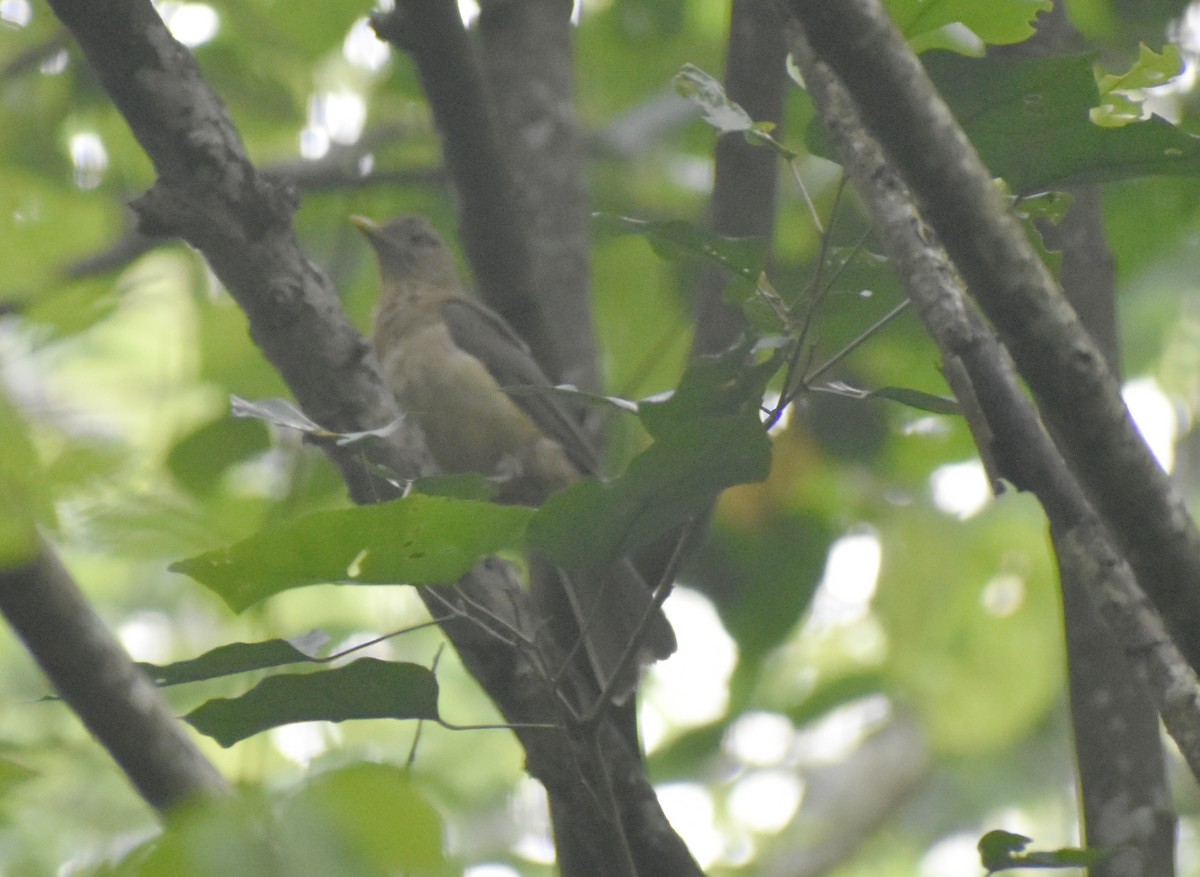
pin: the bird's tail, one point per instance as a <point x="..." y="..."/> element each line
<point x="621" y="628"/>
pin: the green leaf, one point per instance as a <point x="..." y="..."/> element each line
<point x="418" y="540"/>
<point x="744" y="257"/>
<point x="707" y="436"/>
<point x="365" y="689"/>
<point x="672" y="480"/>
<point x="23" y="498"/>
<point x="725" y="115"/>
<point x="1149" y="70"/>
<point x="200" y="459"/>
<point x="1052" y="206"/>
<point x="996" y="848"/>
<point x="928" y="24"/>
<point x="781" y="562"/>
<point x="364" y="820"/>
<point x="1001" y="850"/>
<point x="1029" y="119"/>
<point x="1122" y="95"/>
<point x="917" y="399"/>
<point x="458" y="485"/>
<point x="210" y="837"/>
<point x="729" y="384"/>
<point x="227" y="660"/>
<point x="361" y="806"/>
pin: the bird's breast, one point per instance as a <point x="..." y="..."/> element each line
<point x="469" y="422"/>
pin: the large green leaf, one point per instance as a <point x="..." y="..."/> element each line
<point x="1029" y="119"/>
<point x="672" y="238"/>
<point x="419" y="540"/>
<point x="708" y="436"/>
<point x="365" y="689"/>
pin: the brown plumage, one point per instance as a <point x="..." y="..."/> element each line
<point x="448" y="359"/>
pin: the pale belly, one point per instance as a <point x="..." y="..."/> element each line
<point x="470" y="424"/>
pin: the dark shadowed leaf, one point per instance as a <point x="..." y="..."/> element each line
<point x="227" y="660"/>
<point x="671" y="238"/>
<point x="917" y="399"/>
<point x="1030" y="121"/>
<point x="707" y="436"/>
<point x="365" y="689"/>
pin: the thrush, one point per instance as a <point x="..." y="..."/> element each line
<point x="450" y="362"/>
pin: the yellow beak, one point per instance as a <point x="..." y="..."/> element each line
<point x="367" y="226"/>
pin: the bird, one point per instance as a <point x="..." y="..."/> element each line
<point x="450" y="362"/>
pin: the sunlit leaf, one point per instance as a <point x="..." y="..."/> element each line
<point x="416" y="540"/>
<point x="1122" y="95"/>
<point x="930" y="24"/>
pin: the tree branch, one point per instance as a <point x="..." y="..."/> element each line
<point x="117" y="702"/>
<point x="1114" y="722"/>
<point x="1025" y="452"/>
<point x="209" y="193"/>
<point x="527" y="53"/>
<point x="1077" y="396"/>
<point x="745" y="182"/>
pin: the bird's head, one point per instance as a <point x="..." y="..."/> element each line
<point x="409" y="248"/>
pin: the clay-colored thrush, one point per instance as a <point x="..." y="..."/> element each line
<point x="449" y="359"/>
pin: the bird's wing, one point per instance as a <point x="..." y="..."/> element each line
<point x="486" y="336"/>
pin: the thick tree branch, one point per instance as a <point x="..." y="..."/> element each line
<point x="1025" y="452"/>
<point x="339" y="169"/>
<point x="209" y="193"/>
<point x="745" y="181"/>
<point x="1114" y="722"/>
<point x="527" y="51"/>
<point x="514" y="154"/>
<point x="1078" y="397"/>
<point x="117" y="702"/>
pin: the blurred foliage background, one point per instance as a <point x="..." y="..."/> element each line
<point x="883" y="684"/>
